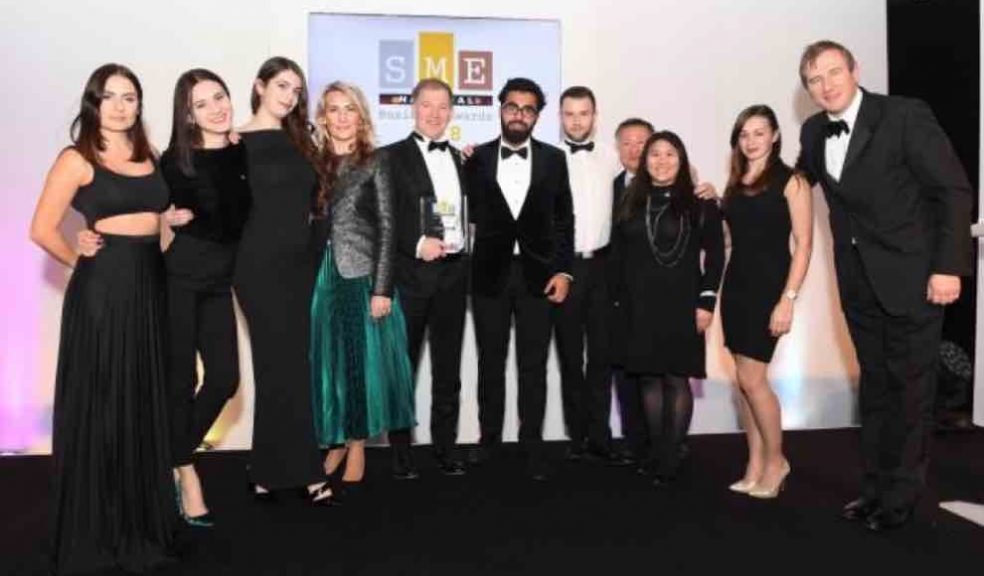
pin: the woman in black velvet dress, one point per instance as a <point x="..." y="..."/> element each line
<point x="274" y="281"/>
<point x="665" y="296"/>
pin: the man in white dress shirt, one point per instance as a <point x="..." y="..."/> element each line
<point x="583" y="318"/>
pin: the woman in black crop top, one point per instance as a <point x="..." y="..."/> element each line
<point x="665" y="292"/>
<point x="114" y="497"/>
<point x="206" y="175"/>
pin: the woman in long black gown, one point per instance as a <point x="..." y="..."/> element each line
<point x="764" y="203"/>
<point x="665" y="297"/>
<point x="274" y="280"/>
<point x="114" y="497"/>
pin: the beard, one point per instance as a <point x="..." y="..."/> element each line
<point x="581" y="137"/>
<point x="516" y="132"/>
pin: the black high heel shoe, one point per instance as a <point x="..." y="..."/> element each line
<point x="205" y="520"/>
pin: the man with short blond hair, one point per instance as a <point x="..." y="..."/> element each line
<point x="900" y="217"/>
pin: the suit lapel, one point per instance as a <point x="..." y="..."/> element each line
<point x="537" y="172"/>
<point x="419" y="166"/>
<point x="868" y="116"/>
<point x="491" y="166"/>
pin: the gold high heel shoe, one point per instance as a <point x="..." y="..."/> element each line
<point x="743" y="486"/>
<point x="769" y="493"/>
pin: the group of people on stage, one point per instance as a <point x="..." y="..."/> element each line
<point x="344" y="256"/>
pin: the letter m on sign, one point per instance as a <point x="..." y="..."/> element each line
<point x="436" y="56"/>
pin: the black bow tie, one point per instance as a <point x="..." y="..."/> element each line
<point x="507" y="152"/>
<point x="835" y="128"/>
<point x="435" y="145"/>
<point x="575" y="147"/>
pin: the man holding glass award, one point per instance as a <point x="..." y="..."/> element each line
<point x="431" y="265"/>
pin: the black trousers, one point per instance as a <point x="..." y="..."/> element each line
<point x="200" y="320"/>
<point x="493" y="317"/>
<point x="439" y="314"/>
<point x="586" y="389"/>
<point x="898" y="357"/>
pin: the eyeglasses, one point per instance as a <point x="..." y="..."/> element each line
<point x="512" y="109"/>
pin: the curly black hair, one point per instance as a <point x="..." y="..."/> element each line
<point x="523" y="85"/>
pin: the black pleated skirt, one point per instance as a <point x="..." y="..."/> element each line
<point x="114" y="493"/>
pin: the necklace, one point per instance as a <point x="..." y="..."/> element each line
<point x="671" y="257"/>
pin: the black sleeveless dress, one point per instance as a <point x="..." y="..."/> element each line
<point x="274" y="281"/>
<point x="114" y="495"/>
<point x="756" y="274"/>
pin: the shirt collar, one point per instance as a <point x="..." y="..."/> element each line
<point x="850" y="114"/>
<point x="504" y="144"/>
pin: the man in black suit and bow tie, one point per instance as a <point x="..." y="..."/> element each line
<point x="431" y="265"/>
<point x="521" y="265"/>
<point x="900" y="217"/>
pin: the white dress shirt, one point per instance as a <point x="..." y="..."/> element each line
<point x="513" y="175"/>
<point x="447" y="188"/>
<point x="835" y="147"/>
<point x="591" y="173"/>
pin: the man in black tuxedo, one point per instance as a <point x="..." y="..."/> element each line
<point x="630" y="139"/>
<point x="900" y="216"/>
<point x="431" y="265"/>
<point x="521" y="264"/>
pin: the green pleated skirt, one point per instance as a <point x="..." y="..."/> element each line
<point x="362" y="383"/>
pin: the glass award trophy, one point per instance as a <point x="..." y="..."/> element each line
<point x="446" y="221"/>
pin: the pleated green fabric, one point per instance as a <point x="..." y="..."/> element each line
<point x="362" y="382"/>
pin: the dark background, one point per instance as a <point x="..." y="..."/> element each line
<point x="934" y="54"/>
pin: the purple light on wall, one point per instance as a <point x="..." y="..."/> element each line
<point x="24" y="403"/>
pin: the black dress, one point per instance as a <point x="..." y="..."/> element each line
<point x="659" y="283"/>
<point x="274" y="280"/>
<point x="200" y="263"/>
<point x="760" y="227"/>
<point x="114" y="497"/>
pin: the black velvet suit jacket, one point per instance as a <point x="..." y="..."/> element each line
<point x="544" y="229"/>
<point x="411" y="182"/>
<point x="903" y="198"/>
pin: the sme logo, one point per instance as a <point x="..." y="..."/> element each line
<point x="402" y="63"/>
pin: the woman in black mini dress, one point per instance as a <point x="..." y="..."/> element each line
<point x="765" y="201"/>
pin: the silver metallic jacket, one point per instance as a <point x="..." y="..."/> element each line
<point x="363" y="223"/>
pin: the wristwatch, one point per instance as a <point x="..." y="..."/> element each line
<point x="790" y="294"/>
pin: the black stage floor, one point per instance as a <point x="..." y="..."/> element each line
<point x="588" y="519"/>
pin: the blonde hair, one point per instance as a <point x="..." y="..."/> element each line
<point x="365" y="139"/>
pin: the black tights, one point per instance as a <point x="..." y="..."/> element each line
<point x="668" y="404"/>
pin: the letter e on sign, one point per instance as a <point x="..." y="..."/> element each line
<point x="474" y="70"/>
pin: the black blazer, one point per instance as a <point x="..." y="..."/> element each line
<point x="544" y="229"/>
<point x="618" y="191"/>
<point x="903" y="198"/>
<point x="411" y="182"/>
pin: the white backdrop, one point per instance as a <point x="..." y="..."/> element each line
<point x="689" y="67"/>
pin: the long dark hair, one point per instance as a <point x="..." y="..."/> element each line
<point x="365" y="137"/>
<point x="681" y="191"/>
<point x="739" y="163"/>
<point x="185" y="134"/>
<point x="86" y="130"/>
<point x="299" y="129"/>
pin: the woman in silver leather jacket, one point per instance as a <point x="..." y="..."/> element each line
<point x="361" y="376"/>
